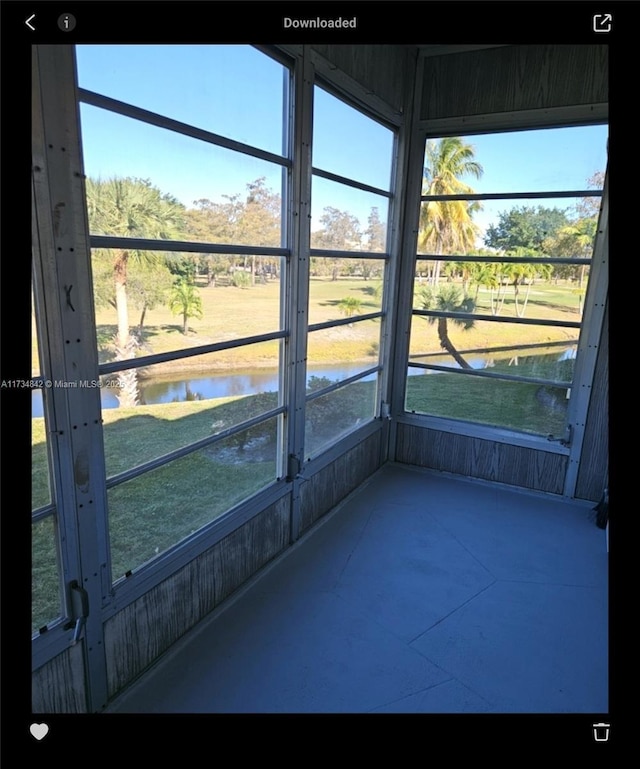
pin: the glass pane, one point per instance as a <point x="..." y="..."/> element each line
<point x="232" y="90"/>
<point x="45" y="575"/>
<point x="176" y="301"/>
<point x="160" y="508"/>
<point x="546" y="160"/>
<point x="344" y="350"/>
<point x="334" y="415"/>
<point x="40" y="475"/>
<point x="516" y="349"/>
<point x="519" y="406"/>
<point x="561" y="159"/>
<point x="348" y="143"/>
<point x="340" y="288"/>
<point x="181" y="402"/>
<point x="523" y="290"/>
<point x="145" y="181"/>
<point x="347" y="219"/>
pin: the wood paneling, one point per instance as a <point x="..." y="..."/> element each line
<point x="249" y="548"/>
<point x="58" y="686"/>
<point x="594" y="460"/>
<point x="479" y="458"/>
<point x="380" y="69"/>
<point x="142" y="631"/>
<point x="331" y="484"/>
<point x="514" y="78"/>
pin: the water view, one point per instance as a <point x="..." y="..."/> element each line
<point x="205" y="386"/>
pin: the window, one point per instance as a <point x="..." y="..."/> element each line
<point x="350" y="209"/>
<point x="187" y="161"/>
<point x="507" y="228"/>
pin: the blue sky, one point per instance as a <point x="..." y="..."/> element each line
<point x="238" y="92"/>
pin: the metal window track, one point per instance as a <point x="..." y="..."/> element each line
<point x="328" y="252"/>
<point x="350" y="182"/>
<point x="153" y="118"/>
<point x="149" y="360"/>
<point x="492" y="375"/>
<point x="514" y="195"/>
<point x="150" y="244"/>
<point x="498" y="319"/>
<point x="154" y="464"/>
<point x="497" y="259"/>
<point x="337" y="385"/>
<point x="344" y="321"/>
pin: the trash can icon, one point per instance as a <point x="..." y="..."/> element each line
<point x="601" y="732"/>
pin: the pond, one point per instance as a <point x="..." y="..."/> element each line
<point x="205" y="386"/>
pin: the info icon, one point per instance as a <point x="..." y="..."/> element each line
<point x="601" y="732"/>
<point x="67" y="22"/>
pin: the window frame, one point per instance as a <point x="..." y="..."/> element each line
<point x="567" y="444"/>
<point x="386" y="256"/>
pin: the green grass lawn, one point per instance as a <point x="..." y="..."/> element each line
<point x="511" y="405"/>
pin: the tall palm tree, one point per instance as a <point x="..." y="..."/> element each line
<point x="448" y="298"/>
<point x="129" y="207"/>
<point x="447" y="226"/>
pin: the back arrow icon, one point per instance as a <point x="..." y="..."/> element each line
<point x="33" y="29"/>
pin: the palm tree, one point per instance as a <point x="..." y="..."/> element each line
<point x="129" y="207"/>
<point x="185" y="301"/>
<point x="448" y="298"/>
<point x="493" y="276"/>
<point x="524" y="273"/>
<point x="447" y="226"/>
<point x="349" y="306"/>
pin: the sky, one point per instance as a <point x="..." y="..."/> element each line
<point x="238" y="92"/>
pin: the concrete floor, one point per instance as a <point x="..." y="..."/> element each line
<point x="420" y="594"/>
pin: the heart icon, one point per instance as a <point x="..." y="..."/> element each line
<point x="39" y="730"/>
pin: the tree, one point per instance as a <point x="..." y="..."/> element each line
<point x="349" y="306"/>
<point x="130" y="207"/>
<point x="588" y="208"/>
<point x="148" y="286"/>
<point x="489" y="275"/>
<point x="185" y="300"/>
<point x="574" y="240"/>
<point x="447" y="226"/>
<point x="340" y="232"/>
<point x="260" y="222"/>
<point x="448" y="298"/>
<point x="215" y="222"/>
<point x="525" y="227"/>
<point x="256" y="220"/>
<point x="523" y="273"/>
<point x="375" y="232"/>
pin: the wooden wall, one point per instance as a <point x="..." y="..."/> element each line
<point x="480" y="458"/>
<point x="58" y="686"/>
<point x="331" y="484"/>
<point x="381" y="69"/>
<point x="594" y="463"/>
<point x="140" y="633"/>
<point x="514" y="78"/>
